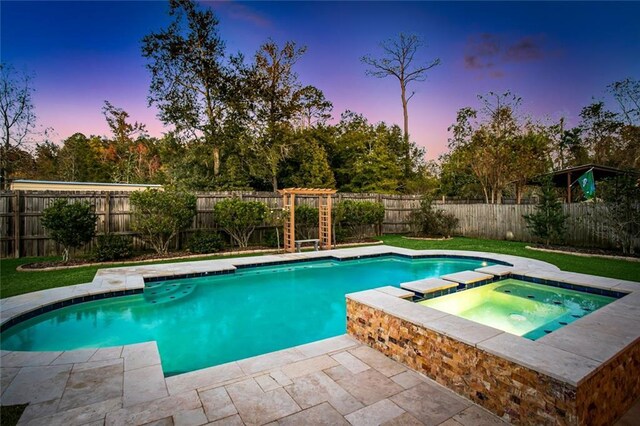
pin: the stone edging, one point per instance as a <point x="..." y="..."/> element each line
<point x="602" y="256"/>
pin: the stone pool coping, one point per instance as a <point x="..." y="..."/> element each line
<point x="131" y="279"/>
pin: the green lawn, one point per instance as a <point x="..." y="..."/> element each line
<point x="622" y="269"/>
<point x="13" y="282"/>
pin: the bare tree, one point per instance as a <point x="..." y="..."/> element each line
<point x="398" y="61"/>
<point x="17" y="115"/>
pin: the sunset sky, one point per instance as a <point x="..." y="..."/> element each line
<point x="557" y="56"/>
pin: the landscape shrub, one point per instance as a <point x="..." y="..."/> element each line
<point x="548" y="222"/>
<point x="70" y="224"/>
<point x="619" y="212"/>
<point x="306" y="221"/>
<point x="240" y="218"/>
<point x="426" y="221"/>
<point x="112" y="247"/>
<point x="360" y="219"/>
<point x="158" y="216"/>
<point x="205" y="242"/>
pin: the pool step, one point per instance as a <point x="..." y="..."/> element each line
<point x="166" y="293"/>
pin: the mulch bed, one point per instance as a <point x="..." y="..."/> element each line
<point x="583" y="250"/>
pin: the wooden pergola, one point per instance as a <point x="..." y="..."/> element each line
<point x="324" y="215"/>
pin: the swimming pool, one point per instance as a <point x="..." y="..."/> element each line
<point x="518" y="307"/>
<point x="206" y="321"/>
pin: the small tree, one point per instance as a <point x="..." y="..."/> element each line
<point x="307" y="218"/>
<point x="430" y="222"/>
<point x="548" y="222"/>
<point x="160" y="215"/>
<point x="359" y="216"/>
<point x="620" y="211"/>
<point x="240" y="218"/>
<point x="70" y="224"/>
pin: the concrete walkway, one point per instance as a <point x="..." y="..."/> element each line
<point x="331" y="382"/>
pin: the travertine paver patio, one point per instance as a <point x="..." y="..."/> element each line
<point x="335" y="381"/>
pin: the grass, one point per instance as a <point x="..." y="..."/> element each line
<point x="10" y="414"/>
<point x="13" y="282"/>
<point x="613" y="268"/>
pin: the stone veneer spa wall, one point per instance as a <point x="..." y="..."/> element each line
<point x="517" y="393"/>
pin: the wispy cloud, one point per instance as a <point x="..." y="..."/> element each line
<point x="240" y="12"/>
<point x="487" y="53"/>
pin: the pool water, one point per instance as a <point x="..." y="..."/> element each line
<point x="201" y="322"/>
<point x="519" y="307"/>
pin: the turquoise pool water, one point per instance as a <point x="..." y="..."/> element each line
<point x="201" y="322"/>
<point x="518" y="307"/>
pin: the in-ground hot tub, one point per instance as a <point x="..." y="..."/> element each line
<point x="586" y="372"/>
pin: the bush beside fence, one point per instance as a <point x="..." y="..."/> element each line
<point x="22" y="234"/>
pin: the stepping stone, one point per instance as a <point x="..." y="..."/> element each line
<point x="428" y="285"/>
<point x="395" y="291"/>
<point x="467" y="277"/>
<point x="497" y="270"/>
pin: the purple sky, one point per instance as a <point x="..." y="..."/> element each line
<point x="557" y="56"/>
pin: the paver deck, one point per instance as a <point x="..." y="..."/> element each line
<point x="334" y="381"/>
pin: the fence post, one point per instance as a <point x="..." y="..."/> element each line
<point x="16" y="224"/>
<point x="107" y="212"/>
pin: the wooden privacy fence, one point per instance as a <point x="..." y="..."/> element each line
<point x="22" y="234"/>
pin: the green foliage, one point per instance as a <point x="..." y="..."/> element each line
<point x="360" y="218"/>
<point x="239" y="218"/>
<point x="307" y="218"/>
<point x="620" y="211"/>
<point x="158" y="216"/>
<point x="205" y="242"/>
<point x="548" y="222"/>
<point x="69" y="224"/>
<point x="112" y="247"/>
<point x="429" y="222"/>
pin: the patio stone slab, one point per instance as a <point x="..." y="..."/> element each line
<point x="408" y="379"/>
<point x="144" y="384"/>
<point x="308" y="366"/>
<point x="320" y="415"/>
<point x="466" y="277"/>
<point x="234" y="420"/>
<point x="430" y="403"/>
<point x="326" y="346"/>
<point x="396" y="292"/>
<point x="81" y="366"/>
<point x="140" y="355"/>
<point x="153" y="410"/>
<point x="370" y="386"/>
<point x="256" y="407"/>
<point x="217" y="404"/>
<point x="270" y="361"/>
<point x="194" y="417"/>
<point x="476" y="416"/>
<point x="350" y="362"/>
<point x="377" y="360"/>
<point x="87" y="387"/>
<point x="29" y="359"/>
<point x="79" y="416"/>
<point x="42" y="409"/>
<point x="317" y="388"/>
<point x="404" y="419"/>
<point x="207" y="377"/>
<point x="428" y="285"/>
<point x="375" y="414"/>
<point x="7" y="374"/>
<point x="267" y="382"/>
<point x="103" y="354"/>
<point x="73" y="357"/>
<point x="37" y="384"/>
